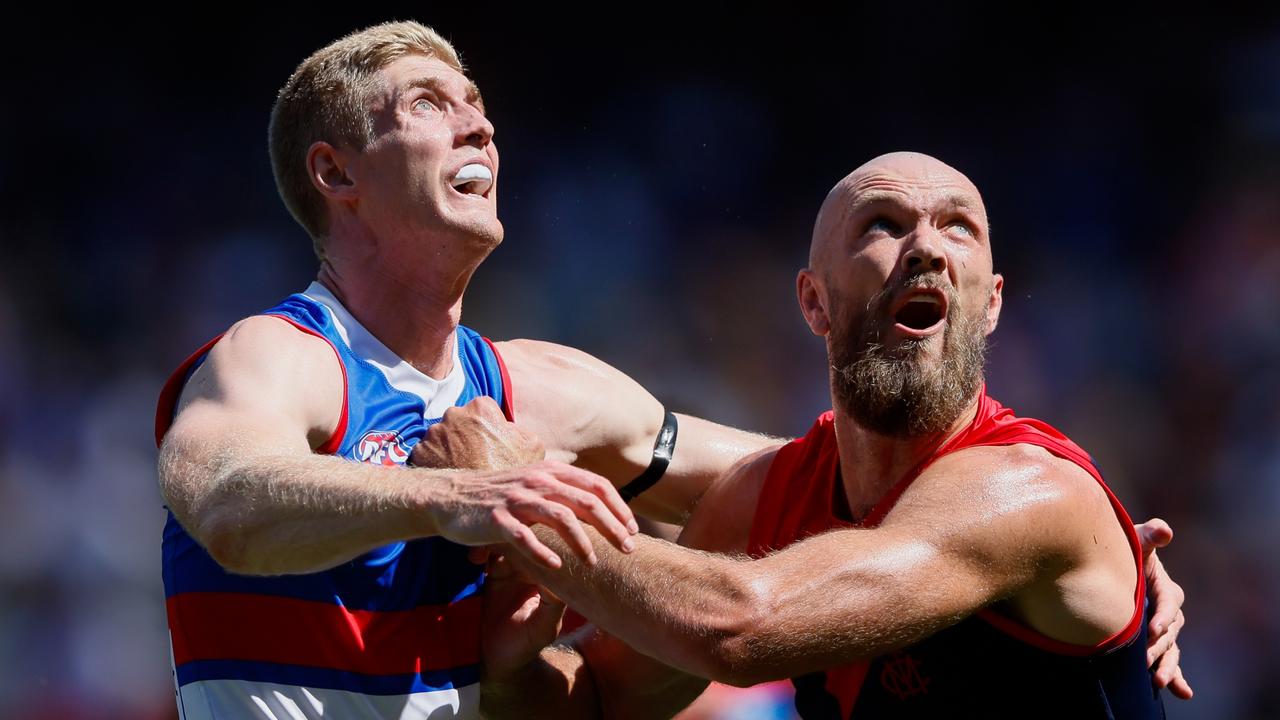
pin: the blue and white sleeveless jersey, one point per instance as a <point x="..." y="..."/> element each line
<point x="392" y="634"/>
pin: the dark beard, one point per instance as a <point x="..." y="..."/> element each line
<point x="894" y="393"/>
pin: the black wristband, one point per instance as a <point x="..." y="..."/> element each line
<point x="663" y="448"/>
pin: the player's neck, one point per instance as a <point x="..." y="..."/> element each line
<point x="871" y="463"/>
<point x="416" y="318"/>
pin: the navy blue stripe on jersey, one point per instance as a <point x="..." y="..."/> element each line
<point x="314" y="677"/>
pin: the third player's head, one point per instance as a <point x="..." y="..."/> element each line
<point x="380" y="145"/>
<point x="900" y="282"/>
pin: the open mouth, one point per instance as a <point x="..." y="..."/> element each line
<point x="473" y="179"/>
<point x="921" y="313"/>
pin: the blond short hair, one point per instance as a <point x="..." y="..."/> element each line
<point x="327" y="99"/>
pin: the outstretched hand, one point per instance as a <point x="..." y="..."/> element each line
<point x="1163" y="652"/>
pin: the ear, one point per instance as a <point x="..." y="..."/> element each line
<point x="812" y="302"/>
<point x="329" y="170"/>
<point x="995" y="303"/>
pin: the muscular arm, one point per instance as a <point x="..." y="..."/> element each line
<point x="970" y="532"/>
<point x="590" y="414"/>
<point x="237" y="469"/>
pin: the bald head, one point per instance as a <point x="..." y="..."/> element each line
<point x="901" y="284"/>
<point x="921" y="180"/>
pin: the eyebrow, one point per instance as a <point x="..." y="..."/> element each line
<point x="434" y="85"/>
<point x="960" y="201"/>
<point x="956" y="201"/>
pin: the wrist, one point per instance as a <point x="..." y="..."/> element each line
<point x="430" y="504"/>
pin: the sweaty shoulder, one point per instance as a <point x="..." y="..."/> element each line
<point x="1020" y="482"/>
<point x="265" y="366"/>
<point x="1022" y="507"/>
<point x="722" y="520"/>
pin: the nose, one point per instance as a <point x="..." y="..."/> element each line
<point x="473" y="128"/>
<point x="923" y="253"/>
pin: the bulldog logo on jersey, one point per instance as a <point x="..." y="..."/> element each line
<point x="382" y="447"/>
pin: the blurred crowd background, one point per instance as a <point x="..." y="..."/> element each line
<point x="660" y="174"/>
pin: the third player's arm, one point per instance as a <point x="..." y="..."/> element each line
<point x="594" y="416"/>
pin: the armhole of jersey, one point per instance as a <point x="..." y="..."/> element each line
<point x="761" y="537"/>
<point x="1121" y="637"/>
<point x="772" y="525"/>
<point x="508" y="401"/>
<point x="172" y="390"/>
<point x="330" y="446"/>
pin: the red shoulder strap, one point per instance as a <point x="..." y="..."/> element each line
<point x="797" y="494"/>
<point x="172" y="390"/>
<point x="508" y="402"/>
<point x="168" y="400"/>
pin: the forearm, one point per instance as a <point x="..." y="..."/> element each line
<point x="281" y="514"/>
<point x="557" y="684"/>
<point x="834" y="599"/>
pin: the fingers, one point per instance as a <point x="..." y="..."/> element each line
<point x="504" y="566"/>
<point x="593" y="510"/>
<point x="564" y="512"/>
<point x="560" y="519"/>
<point x="482" y="408"/>
<point x="565" y="524"/>
<point x="1165" y="637"/>
<point x="550" y="598"/>
<point x="1168" y="597"/>
<point x="521" y="537"/>
<point x="1179" y="687"/>
<point x="487" y="407"/>
<point x="563" y="498"/>
<point x="1159" y="646"/>
<point x="1167" y="666"/>
<point x="1168" y="669"/>
<point x="600" y="488"/>
<point x="547" y="615"/>
<point x="1154" y="533"/>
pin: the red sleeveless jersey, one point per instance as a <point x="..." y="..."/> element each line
<point x="989" y="663"/>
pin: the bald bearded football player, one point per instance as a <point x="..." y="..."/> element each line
<point x="921" y="552"/>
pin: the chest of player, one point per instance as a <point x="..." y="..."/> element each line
<point x="384" y="423"/>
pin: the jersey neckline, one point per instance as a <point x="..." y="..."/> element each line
<point x="438" y="395"/>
